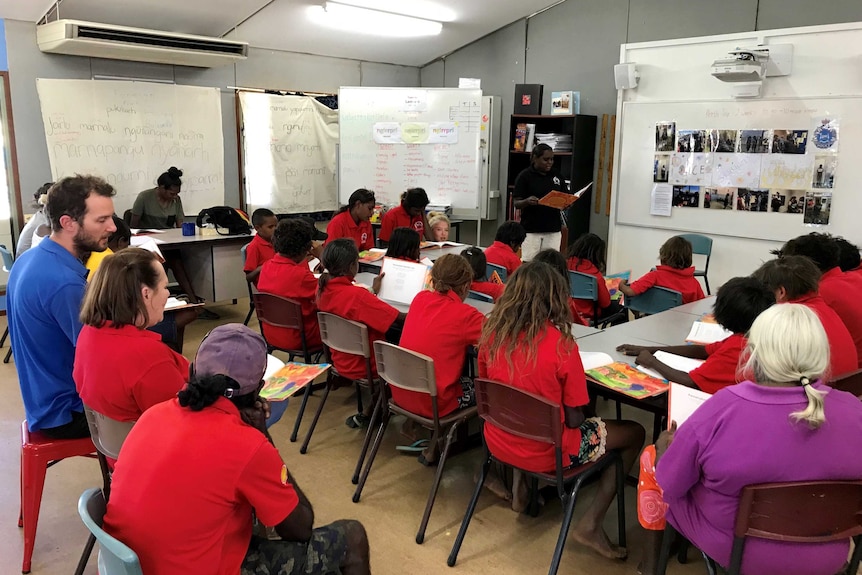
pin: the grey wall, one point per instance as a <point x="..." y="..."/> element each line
<point x="574" y="45"/>
<point x="263" y="69"/>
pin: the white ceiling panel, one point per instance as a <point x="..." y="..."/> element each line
<point x="27" y="10"/>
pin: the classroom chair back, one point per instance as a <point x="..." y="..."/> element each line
<point x="277" y="311"/>
<point x="7" y="265"/>
<point x="586" y="287"/>
<point x="405" y="369"/>
<point x="8" y="260"/>
<point x="700" y="246"/>
<point x="115" y="558"/>
<point x="501" y="271"/>
<point x="479" y="296"/>
<point x="849" y="382"/>
<point x="108" y="434"/>
<point x="654" y="300"/>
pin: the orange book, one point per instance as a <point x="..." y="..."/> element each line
<point x="624" y="378"/>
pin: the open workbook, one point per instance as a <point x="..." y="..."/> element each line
<point x="403" y="280"/>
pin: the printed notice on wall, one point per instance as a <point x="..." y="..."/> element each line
<point x="415" y="102"/>
<point x="442" y="133"/>
<point x="660" y="200"/>
<point x="387" y="133"/>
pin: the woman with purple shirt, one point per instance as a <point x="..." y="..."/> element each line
<point x="780" y="424"/>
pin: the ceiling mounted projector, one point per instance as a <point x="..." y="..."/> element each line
<point x="753" y="64"/>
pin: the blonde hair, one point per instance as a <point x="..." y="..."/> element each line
<point x="436" y="218"/>
<point x="787" y="343"/>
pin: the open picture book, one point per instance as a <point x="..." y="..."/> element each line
<point x="289" y="379"/>
<point x="620" y="376"/>
<point x="403" y="280"/>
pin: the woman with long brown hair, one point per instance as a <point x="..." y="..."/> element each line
<point x="527" y="343"/>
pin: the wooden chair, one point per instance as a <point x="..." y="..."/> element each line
<point x="654" y="300"/>
<point x="533" y="417"/>
<point x="413" y="371"/>
<point x="501" y="271"/>
<point x="276" y="311"/>
<point x="701" y="246"/>
<point x="586" y="287"/>
<point x="802" y="512"/>
<point x="115" y="558"/>
<point x="479" y="296"/>
<point x="251" y="289"/>
<point x="850" y="382"/>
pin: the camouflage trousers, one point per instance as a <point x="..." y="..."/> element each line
<point x="322" y="555"/>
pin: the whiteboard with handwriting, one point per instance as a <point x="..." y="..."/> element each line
<point x="131" y="132"/>
<point x="392" y="139"/>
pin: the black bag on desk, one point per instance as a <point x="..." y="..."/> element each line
<point x="228" y="221"/>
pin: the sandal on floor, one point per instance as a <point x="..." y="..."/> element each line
<point x="417" y="446"/>
<point x="358" y="421"/>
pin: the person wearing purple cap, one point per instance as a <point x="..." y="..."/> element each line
<point x="196" y="470"/>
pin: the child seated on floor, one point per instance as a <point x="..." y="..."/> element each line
<point x="479" y="264"/>
<point x="260" y="249"/>
<point x="507" y="243"/>
<point x="439" y="224"/>
<point x="404" y="244"/>
<point x="675" y="272"/>
<point x="737" y="305"/>
<point x="588" y="256"/>
<point x="556" y="260"/>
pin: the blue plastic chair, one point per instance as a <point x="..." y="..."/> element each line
<point x="501" y="271"/>
<point x="479" y="296"/>
<point x="7" y="266"/>
<point x="702" y="246"/>
<point x="244" y="250"/>
<point x="654" y="300"/>
<point x="115" y="558"/>
<point x="584" y="286"/>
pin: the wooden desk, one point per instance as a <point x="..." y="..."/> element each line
<point x="453" y="224"/>
<point x="366" y="279"/>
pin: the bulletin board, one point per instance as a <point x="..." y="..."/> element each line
<point x="772" y="168"/>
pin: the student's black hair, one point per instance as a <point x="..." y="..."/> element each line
<point x="848" y="254"/>
<point x="739" y="301"/>
<point x="675" y="253"/>
<point x="361" y="195"/>
<point x="512" y="234"/>
<point x="540" y="149"/>
<point x="798" y="275"/>
<point x="591" y="248"/>
<point x="171" y="178"/>
<point x="338" y="258"/>
<point x="204" y="390"/>
<point x="292" y="237"/>
<point x="820" y="248"/>
<point x="554" y="259"/>
<point x="476" y="257"/>
<point x="123" y="231"/>
<point x="404" y="243"/>
<point x="415" y="198"/>
<point x="259" y="216"/>
<point x="43" y="189"/>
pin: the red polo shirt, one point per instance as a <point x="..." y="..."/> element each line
<point x="503" y="255"/>
<point x="585" y="306"/>
<point x="398" y="217"/>
<point x="842" y="350"/>
<point x="257" y="252"/>
<point x="719" y="369"/>
<point x="682" y="281"/>
<point x="488" y="288"/>
<point x="843" y="293"/>
<point x="440" y="326"/>
<point x="185" y="486"/>
<point x="122" y="372"/>
<point x="356" y="303"/>
<point x="283" y="276"/>
<point x="555" y="373"/>
<point x="343" y="226"/>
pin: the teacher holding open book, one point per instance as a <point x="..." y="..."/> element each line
<point x="543" y="223"/>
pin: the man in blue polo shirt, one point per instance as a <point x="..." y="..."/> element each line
<point x="44" y="293"/>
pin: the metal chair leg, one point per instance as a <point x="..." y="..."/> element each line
<point x="621" y="502"/>
<point x="85" y="556"/>
<point x="370" y="461"/>
<point x="5" y="335"/>
<point x="857" y="554"/>
<point x="564" y="528"/>
<point x="471" y="508"/>
<point x="301" y="411"/>
<point x="304" y="447"/>
<point x="248" y="316"/>
<point x="8" y="355"/>
<point x="378" y="407"/>
<point x="664" y="554"/>
<point x="420" y="535"/>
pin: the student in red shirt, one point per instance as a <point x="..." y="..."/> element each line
<point x="848" y="256"/>
<point x="260" y="249"/>
<point x="404" y="244"/>
<point x="556" y="260"/>
<point x="455" y="326"/>
<point x="507" y="242"/>
<point x="841" y="291"/>
<point x="122" y="368"/>
<point x="354" y="220"/>
<point x="409" y="214"/>
<point x="195" y="472"/>
<point x="287" y="275"/>
<point x="737" y="305"/>
<point x="795" y="279"/>
<point x="527" y="343"/>
<point x="476" y="258"/>
<point x="588" y="256"/>
<point x="675" y="272"/>
<point x="338" y="295"/>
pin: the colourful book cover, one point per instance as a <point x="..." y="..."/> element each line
<point x="368" y="256"/>
<point x="520" y="137"/>
<point x="290" y="379"/>
<point x="613" y="282"/>
<point x="628" y="380"/>
<point x="495" y="278"/>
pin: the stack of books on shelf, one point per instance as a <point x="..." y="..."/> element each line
<point x="558" y="142"/>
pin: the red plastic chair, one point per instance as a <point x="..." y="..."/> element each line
<point x="38" y="453"/>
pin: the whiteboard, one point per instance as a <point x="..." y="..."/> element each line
<point x="131" y="132"/>
<point x="637" y="154"/>
<point x="393" y="139"/>
<point x="289" y="145"/>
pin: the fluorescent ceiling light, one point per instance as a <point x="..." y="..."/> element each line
<point x="416" y="8"/>
<point x="371" y="22"/>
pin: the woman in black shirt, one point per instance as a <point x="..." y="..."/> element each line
<point x="542" y="223"/>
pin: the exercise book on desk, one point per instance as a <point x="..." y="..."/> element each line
<point x="673" y="361"/>
<point x="682" y="402"/>
<point x="703" y="332"/>
<point x="437" y="245"/>
<point x="623" y="378"/>
<point x="403" y="280"/>
<point x="289" y="379"/>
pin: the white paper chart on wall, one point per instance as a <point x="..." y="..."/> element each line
<point x="392" y="139"/>
<point x="766" y="169"/>
<point x="131" y="132"/>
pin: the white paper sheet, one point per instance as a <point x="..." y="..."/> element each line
<point x="660" y="200"/>
<point x="682" y="402"/>
<point x="594" y="359"/>
<point x="703" y="333"/>
<point x="403" y="280"/>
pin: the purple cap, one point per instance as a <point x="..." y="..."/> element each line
<point x="236" y="351"/>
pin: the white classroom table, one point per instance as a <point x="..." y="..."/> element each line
<point x="666" y="328"/>
<point x="698" y="307"/>
<point x="213" y="262"/>
<point x="366" y="278"/>
<point x="431" y="253"/>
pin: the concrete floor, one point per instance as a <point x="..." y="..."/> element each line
<point x="499" y="541"/>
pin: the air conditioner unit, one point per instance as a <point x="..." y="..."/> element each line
<point x="77" y="38"/>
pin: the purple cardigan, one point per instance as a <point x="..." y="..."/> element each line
<point x="743" y="436"/>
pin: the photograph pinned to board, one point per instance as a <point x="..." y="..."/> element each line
<point x="789" y="141"/>
<point x="565" y="103"/>
<point x="660" y="167"/>
<point x="825" y="134"/>
<point x="686" y="196"/>
<point x="818" y="207"/>
<point x="753" y="142"/>
<point x="718" y="198"/>
<point x="792" y="172"/>
<point x="692" y="141"/>
<point x="786" y="201"/>
<point x="690" y="169"/>
<point x="660" y="200"/>
<point x="824" y="171"/>
<point x="723" y="140"/>
<point x="665" y="136"/>
<point x="752" y="200"/>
